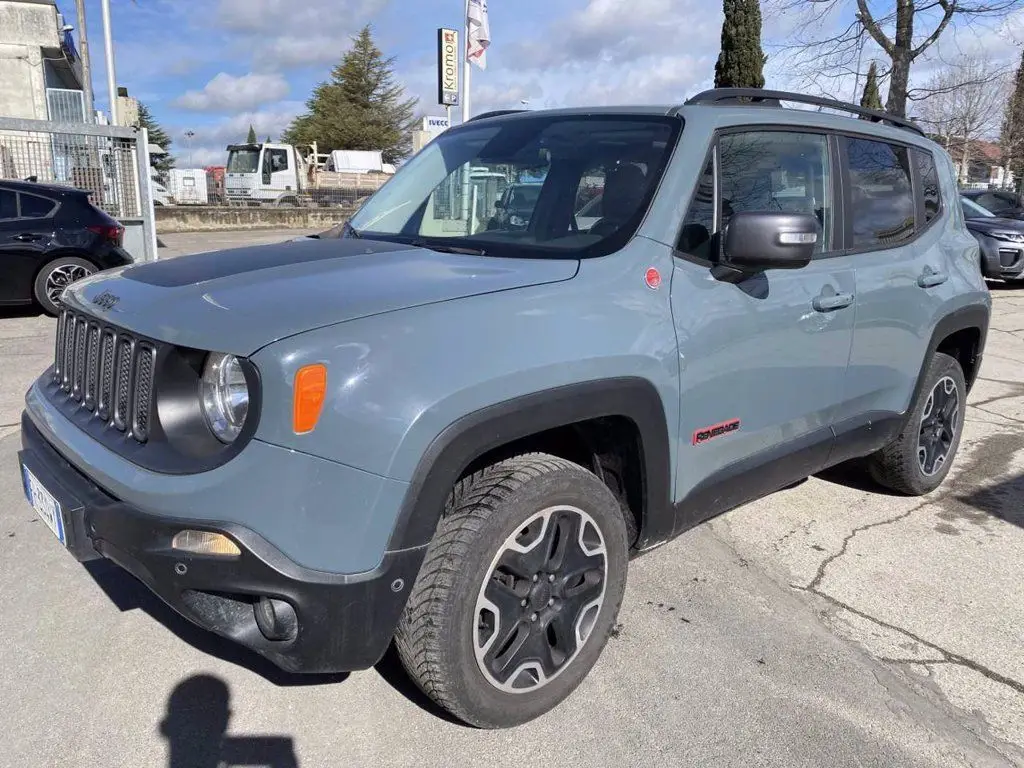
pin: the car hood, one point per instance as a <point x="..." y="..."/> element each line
<point x="240" y="300"/>
<point x="995" y="224"/>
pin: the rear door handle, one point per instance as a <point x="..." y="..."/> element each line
<point x="832" y="302"/>
<point x="27" y="237"/>
<point x="931" y="279"/>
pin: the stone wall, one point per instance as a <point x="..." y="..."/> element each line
<point x="186" y="218"/>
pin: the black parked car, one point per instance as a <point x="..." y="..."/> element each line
<point x="51" y="236"/>
<point x="1001" y="241"/>
<point x="1001" y="202"/>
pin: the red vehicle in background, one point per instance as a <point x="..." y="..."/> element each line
<point x="215" y="184"/>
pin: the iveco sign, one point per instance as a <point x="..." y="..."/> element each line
<point x="435" y="124"/>
<point x="447" y="67"/>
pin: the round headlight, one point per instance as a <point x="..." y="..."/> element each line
<point x="224" y="395"/>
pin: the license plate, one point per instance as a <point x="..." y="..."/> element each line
<point x="43" y="502"/>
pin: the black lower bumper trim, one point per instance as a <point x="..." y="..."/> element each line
<point x="345" y="622"/>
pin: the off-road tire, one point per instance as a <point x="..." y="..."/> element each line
<point x="40" y="288"/>
<point x="437" y="634"/>
<point x="896" y="466"/>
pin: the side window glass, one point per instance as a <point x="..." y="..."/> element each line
<point x="699" y="224"/>
<point x="8" y="205"/>
<point x="929" y="184"/>
<point x="278" y="160"/>
<point x="883" y="200"/>
<point x="35" y="207"/>
<point x="776" y="171"/>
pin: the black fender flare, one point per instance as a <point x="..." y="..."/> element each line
<point x="974" y="316"/>
<point x="473" y="435"/>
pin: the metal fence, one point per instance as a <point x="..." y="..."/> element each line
<point x="108" y="162"/>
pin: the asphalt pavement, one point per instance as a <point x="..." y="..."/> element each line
<point x="829" y="624"/>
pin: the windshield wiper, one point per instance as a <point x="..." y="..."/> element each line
<point x="449" y="248"/>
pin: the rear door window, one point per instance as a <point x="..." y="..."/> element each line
<point x="36" y="207"/>
<point x="8" y="205"/>
<point x="883" y="208"/>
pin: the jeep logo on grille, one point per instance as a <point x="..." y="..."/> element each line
<point x="106" y="300"/>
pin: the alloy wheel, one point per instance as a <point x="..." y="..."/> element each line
<point x="540" y="599"/>
<point x="940" y="421"/>
<point x="61" y="277"/>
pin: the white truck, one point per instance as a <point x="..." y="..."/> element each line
<point x="281" y="175"/>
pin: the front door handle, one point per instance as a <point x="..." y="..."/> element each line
<point x="931" y="279"/>
<point x="831" y="302"/>
<point x="27" y="237"/>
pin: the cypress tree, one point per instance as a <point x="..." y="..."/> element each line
<point x="741" y="60"/>
<point x="360" y="107"/>
<point x="251" y="138"/>
<point x="1012" y="138"/>
<point x="871" y="99"/>
<point x="158" y="136"/>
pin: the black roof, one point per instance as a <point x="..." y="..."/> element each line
<point x="46" y="189"/>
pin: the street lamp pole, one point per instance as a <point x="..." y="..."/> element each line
<point x="108" y="42"/>
<point x="188" y="140"/>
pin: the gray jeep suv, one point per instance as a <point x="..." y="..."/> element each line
<point x="454" y="437"/>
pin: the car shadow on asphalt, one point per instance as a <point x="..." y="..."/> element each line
<point x="196" y="723"/>
<point x="24" y="310"/>
<point x="854" y="474"/>
<point x="128" y="593"/>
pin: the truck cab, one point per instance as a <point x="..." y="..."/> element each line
<point x="262" y="173"/>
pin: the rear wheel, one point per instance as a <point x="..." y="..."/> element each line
<point x="919" y="459"/>
<point x="55" y="277"/>
<point x="519" y="591"/>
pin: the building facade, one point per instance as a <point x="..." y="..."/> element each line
<point x="40" y="68"/>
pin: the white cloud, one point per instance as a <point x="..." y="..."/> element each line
<point x="297" y="33"/>
<point x="228" y="93"/>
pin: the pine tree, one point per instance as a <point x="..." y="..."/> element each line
<point x="251" y="138"/>
<point x="1012" y="139"/>
<point x="360" y="107"/>
<point x="158" y="136"/>
<point x="871" y="99"/>
<point x="741" y="60"/>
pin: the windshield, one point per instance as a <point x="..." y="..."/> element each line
<point x="450" y="193"/>
<point x="974" y="211"/>
<point x="243" y="160"/>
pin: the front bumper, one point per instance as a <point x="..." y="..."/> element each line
<point x="1001" y="260"/>
<point x="344" y="621"/>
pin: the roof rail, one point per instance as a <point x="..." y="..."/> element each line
<point x="495" y="113"/>
<point x="761" y="97"/>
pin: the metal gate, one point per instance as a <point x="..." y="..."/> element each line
<point x="106" y="161"/>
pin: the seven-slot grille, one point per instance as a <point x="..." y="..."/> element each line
<point x="107" y="370"/>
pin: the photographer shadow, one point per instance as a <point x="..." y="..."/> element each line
<point x="196" y="723"/>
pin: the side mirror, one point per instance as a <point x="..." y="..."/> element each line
<point x="755" y="242"/>
<point x="498" y="203"/>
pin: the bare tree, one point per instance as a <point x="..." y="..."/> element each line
<point x="964" y="103"/>
<point x="830" y="34"/>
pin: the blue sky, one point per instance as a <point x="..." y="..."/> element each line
<point x="215" y="66"/>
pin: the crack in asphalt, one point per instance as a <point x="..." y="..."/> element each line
<point x="948" y="657"/>
<point x="813" y="586"/>
<point x="1000" y="415"/>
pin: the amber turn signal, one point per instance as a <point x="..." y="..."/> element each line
<point x="310" y="390"/>
<point x="205" y="543"/>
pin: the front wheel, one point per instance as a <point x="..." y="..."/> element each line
<point x="518" y="593"/>
<point x="54" y="277"/>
